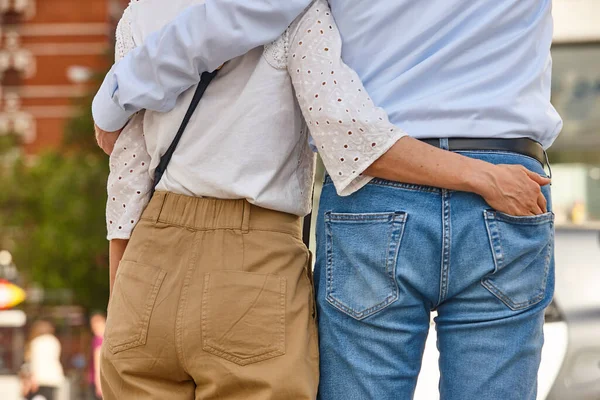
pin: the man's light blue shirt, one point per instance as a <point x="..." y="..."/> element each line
<point x="440" y="68"/>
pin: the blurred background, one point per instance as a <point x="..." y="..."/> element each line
<point x="53" y="252"/>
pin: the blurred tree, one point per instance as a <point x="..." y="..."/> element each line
<point x="52" y="216"/>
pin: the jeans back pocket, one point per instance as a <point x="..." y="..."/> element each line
<point x="130" y="308"/>
<point x="522" y="248"/>
<point x="362" y="250"/>
<point x="243" y="316"/>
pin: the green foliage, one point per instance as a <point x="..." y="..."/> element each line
<point x="52" y="217"/>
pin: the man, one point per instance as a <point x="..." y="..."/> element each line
<point x="459" y="74"/>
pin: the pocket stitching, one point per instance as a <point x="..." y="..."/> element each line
<point x="139" y="339"/>
<point x="521" y="220"/>
<point x="397" y="218"/>
<point x="212" y="349"/>
<point x="498" y="255"/>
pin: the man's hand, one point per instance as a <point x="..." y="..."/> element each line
<point x="513" y="190"/>
<point x="106" y="140"/>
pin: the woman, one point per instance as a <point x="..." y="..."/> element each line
<point x="42" y="355"/>
<point x="213" y="295"/>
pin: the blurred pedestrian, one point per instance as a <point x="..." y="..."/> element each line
<point x="97" y="325"/>
<point x="43" y="372"/>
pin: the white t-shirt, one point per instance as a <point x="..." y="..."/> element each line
<point x="248" y="138"/>
<point x="45" y="361"/>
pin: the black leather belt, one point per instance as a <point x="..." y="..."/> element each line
<point x="524" y="146"/>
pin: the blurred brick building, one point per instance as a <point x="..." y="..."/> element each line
<point x="49" y="50"/>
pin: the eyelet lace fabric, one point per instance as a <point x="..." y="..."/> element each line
<point x="276" y="53"/>
<point x="349" y="130"/>
<point x="129" y="183"/>
<point x="124" y="36"/>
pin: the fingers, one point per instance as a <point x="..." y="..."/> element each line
<point x="537" y="178"/>
<point x="542" y="203"/>
<point x="536" y="210"/>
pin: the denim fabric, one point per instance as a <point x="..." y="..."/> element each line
<point x="391" y="253"/>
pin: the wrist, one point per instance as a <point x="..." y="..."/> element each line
<point x="480" y="178"/>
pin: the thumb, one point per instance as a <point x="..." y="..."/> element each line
<point x="537" y="178"/>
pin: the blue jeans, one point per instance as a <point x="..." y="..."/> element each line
<point x="391" y="253"/>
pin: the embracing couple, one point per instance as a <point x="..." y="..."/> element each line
<point x="432" y="124"/>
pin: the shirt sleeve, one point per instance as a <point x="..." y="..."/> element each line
<point x="171" y="60"/>
<point x="129" y="182"/>
<point x="349" y="131"/>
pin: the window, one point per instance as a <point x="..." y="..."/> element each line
<point x="575" y="155"/>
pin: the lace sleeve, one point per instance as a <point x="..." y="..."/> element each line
<point x="276" y="52"/>
<point x="124" y="42"/>
<point x="129" y="182"/>
<point x="349" y="130"/>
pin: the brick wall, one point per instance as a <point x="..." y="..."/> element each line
<point x="58" y="42"/>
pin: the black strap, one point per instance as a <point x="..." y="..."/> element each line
<point x="306" y="230"/>
<point x="307" y="224"/>
<point x="205" y="80"/>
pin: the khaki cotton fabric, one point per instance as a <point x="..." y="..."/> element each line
<point x="213" y="300"/>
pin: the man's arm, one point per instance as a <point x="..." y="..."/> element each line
<point x="171" y="60"/>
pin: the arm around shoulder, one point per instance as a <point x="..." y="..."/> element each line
<point x="171" y="60"/>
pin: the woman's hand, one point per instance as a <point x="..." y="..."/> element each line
<point x="513" y="190"/>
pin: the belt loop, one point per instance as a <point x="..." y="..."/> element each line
<point x="444" y="144"/>
<point x="246" y="217"/>
<point x="161" y="197"/>
<point x="548" y="164"/>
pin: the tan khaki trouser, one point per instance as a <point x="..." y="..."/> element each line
<point x="213" y="300"/>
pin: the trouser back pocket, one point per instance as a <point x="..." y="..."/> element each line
<point x="243" y="316"/>
<point x="523" y="248"/>
<point x="362" y="250"/>
<point x="134" y="294"/>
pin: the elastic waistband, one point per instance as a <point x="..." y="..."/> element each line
<point x="211" y="214"/>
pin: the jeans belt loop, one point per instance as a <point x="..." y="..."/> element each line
<point x="444" y="145"/>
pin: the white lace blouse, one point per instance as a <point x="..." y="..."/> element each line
<point x="248" y="137"/>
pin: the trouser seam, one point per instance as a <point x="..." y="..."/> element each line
<point x="446" y="241"/>
<point x="183" y="304"/>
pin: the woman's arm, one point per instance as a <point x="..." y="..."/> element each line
<point x="349" y="130"/>
<point x="116" y="250"/>
<point x="357" y="141"/>
<point x="511" y="189"/>
<point x="129" y="181"/>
